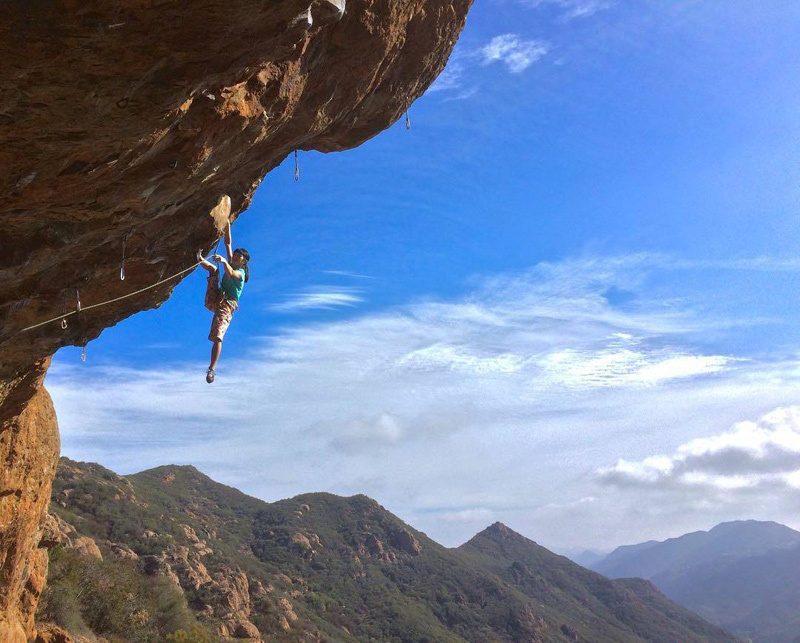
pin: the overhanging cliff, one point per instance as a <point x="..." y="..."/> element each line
<point x="123" y="123"/>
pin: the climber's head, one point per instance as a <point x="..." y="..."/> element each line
<point x="240" y="260"/>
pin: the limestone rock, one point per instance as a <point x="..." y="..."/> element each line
<point x="130" y="119"/>
<point x="51" y="532"/>
<point x="233" y="589"/>
<point x="153" y="565"/>
<point x="287" y="609"/>
<point x="61" y="531"/>
<point x="86" y="547"/>
<point x="191" y="536"/>
<point x="183" y="104"/>
<point x="404" y="540"/>
<point x="374" y="546"/>
<point x="52" y="634"/>
<point x="29" y="453"/>
<point x="123" y="551"/>
<point x="301" y="542"/>
<point x="243" y="629"/>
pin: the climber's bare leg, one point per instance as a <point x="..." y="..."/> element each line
<point x="216" y="349"/>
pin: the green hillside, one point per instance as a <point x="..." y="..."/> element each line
<point x="321" y="567"/>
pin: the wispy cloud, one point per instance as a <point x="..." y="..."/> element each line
<point x="514" y="52"/>
<point x="527" y="384"/>
<point x="320" y="297"/>
<point x="460" y="80"/>
<point x="571" y="9"/>
<point x="452" y="77"/>
<point x="347" y="273"/>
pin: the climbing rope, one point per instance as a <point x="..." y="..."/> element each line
<point x="80" y="309"/>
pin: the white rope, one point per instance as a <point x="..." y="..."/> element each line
<point x="110" y="301"/>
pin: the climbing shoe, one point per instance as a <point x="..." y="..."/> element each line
<point x="210" y="375"/>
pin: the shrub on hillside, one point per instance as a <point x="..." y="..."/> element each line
<point x="112" y="598"/>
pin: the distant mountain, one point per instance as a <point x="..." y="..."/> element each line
<point x="738" y="539"/>
<point x="758" y="597"/>
<point x="170" y="548"/>
<point x="599" y="609"/>
<point x="743" y="575"/>
<point x="583" y="557"/>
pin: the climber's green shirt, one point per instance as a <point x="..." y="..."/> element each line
<point x="233" y="286"/>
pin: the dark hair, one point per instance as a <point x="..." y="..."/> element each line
<point x="246" y="256"/>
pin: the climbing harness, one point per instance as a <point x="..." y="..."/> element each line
<point x="296" y="167"/>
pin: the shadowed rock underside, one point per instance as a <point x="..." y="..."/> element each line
<point x="123" y="123"/>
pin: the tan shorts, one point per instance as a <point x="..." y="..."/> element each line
<point x="223" y="309"/>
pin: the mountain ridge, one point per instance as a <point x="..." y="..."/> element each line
<point x="733" y="538"/>
<point x="323" y="567"/>
<point x="740" y="575"/>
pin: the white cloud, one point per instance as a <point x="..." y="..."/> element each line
<point x="750" y="455"/>
<point x="459" y="79"/>
<point x="506" y="400"/>
<point x="320" y="297"/>
<point x="441" y="356"/>
<point x="571" y="9"/>
<point x="514" y="52"/>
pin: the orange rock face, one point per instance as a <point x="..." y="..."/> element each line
<point x="29" y="453"/>
<point x="127" y="122"/>
<point x="122" y="124"/>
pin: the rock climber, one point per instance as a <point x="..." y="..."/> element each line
<point x="222" y="298"/>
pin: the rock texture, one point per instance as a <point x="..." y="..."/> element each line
<point x="29" y="455"/>
<point x="121" y="124"/>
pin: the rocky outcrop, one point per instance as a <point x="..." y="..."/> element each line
<point x="121" y="124"/>
<point x="59" y="531"/>
<point x="53" y="634"/>
<point x="29" y="455"/>
<point x="126" y="122"/>
<point x="404" y="540"/>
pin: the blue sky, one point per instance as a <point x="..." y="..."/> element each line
<point x="579" y="262"/>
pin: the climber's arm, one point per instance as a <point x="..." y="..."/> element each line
<point x="229" y="270"/>
<point x="204" y="262"/>
<point x="228" y="246"/>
